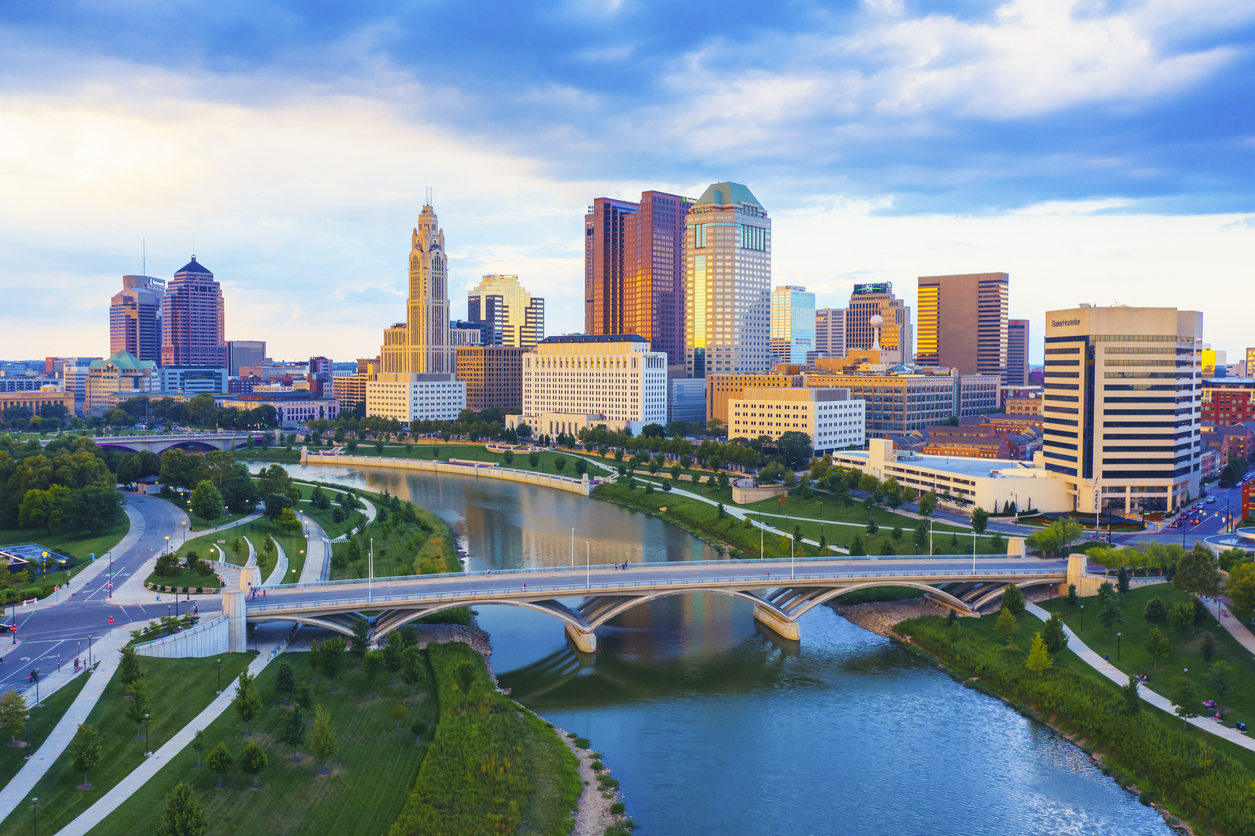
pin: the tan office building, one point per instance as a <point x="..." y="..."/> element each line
<point x="963" y="323"/>
<point x="721" y="387"/>
<point x="868" y="300"/>
<point x="1122" y="402"/>
<point x="832" y="419"/>
<point x="493" y="375"/>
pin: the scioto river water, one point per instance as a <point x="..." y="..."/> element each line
<point x="714" y="725"/>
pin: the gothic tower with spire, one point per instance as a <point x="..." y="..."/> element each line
<point x="421" y="344"/>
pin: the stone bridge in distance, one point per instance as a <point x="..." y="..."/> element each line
<point x="192" y="442"/>
<point x="782" y="591"/>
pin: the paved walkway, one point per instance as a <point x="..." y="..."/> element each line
<point x="17" y="790"/>
<point x="129" y="785"/>
<point x="1098" y="663"/>
<point x="318" y="555"/>
<point x="131" y="591"/>
<point x="281" y="568"/>
<point x="1235" y="627"/>
<point x="370" y="518"/>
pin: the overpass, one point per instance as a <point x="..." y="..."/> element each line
<point x="781" y="590"/>
<point x="194" y="442"/>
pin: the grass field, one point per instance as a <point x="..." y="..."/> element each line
<point x="322" y="516"/>
<point x="400" y="548"/>
<point x="546" y="461"/>
<point x="43" y="719"/>
<point x="179" y="690"/>
<point x="1164" y="674"/>
<point x="363" y="793"/>
<point x="77" y="545"/>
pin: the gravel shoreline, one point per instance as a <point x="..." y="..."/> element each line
<point x="592" y="813"/>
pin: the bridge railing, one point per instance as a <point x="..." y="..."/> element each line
<point x="576" y="589"/>
<point x="768" y="561"/>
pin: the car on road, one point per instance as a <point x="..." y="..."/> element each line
<point x="1210" y="500"/>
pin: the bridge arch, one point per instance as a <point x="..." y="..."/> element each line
<point x="611" y="607"/>
<point x="395" y="619"/>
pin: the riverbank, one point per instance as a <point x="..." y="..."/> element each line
<point x="599" y="811"/>
<point x="1185" y="777"/>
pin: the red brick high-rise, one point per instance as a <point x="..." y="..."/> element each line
<point x="634" y="269"/>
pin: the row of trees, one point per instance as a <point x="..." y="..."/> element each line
<point x="64" y="486"/>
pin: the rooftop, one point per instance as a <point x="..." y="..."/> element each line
<point x="724" y="194"/>
<point x="193" y="267"/>
<point x="596" y="338"/>
<point x="124" y="360"/>
<point x="957" y="465"/>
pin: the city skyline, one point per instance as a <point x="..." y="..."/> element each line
<point x="923" y="169"/>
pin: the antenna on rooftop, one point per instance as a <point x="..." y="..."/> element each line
<point x="144" y="257"/>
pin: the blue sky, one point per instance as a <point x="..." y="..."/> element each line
<point x="1098" y="152"/>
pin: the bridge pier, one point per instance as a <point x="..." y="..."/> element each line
<point x="584" y="640"/>
<point x="234" y="606"/>
<point x="777" y="623"/>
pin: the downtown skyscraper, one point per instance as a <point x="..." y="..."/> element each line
<point x="727" y="283"/>
<point x="963" y="322"/>
<point x="193" y="320"/>
<point x="877" y="299"/>
<point x="792" y="324"/>
<point x="634" y="270"/>
<point x="510" y="315"/>
<point x="421" y="344"/>
<point x="135" y="318"/>
<point x="1017" y="352"/>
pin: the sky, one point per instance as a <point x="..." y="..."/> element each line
<point x="1098" y="152"/>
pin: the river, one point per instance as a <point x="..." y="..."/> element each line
<point x="714" y="725"/>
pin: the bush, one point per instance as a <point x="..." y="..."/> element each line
<point x="618" y="808"/>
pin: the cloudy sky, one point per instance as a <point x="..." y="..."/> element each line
<point x="1097" y="151"/>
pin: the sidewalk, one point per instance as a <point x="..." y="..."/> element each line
<point x="317" y="566"/>
<point x="1121" y="678"/>
<point x="129" y="785"/>
<point x="281" y="568"/>
<point x="370" y="518"/>
<point x="17" y="790"/>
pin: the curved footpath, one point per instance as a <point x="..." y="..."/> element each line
<point x="1098" y="663"/>
<point x="317" y="566"/>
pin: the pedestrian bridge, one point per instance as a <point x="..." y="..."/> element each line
<point x="196" y="442"/>
<point x="584" y="598"/>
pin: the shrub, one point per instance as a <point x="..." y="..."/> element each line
<point x="618" y="808"/>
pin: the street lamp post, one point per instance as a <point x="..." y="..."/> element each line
<point x="183" y="526"/>
<point x="219" y="676"/>
<point x="1117" y="647"/>
<point x="588" y="565"/>
<point x="1015" y="519"/>
<point x="89" y="650"/>
<point x="147" y="752"/>
<point x="1082" y="618"/>
<point x="572" y="548"/>
<point x="370" y="579"/>
<point x="35" y="813"/>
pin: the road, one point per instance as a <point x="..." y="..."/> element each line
<point x="62" y="628"/>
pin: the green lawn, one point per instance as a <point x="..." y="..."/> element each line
<point x="256" y="531"/>
<point x="323" y="516"/>
<point x="179" y="690"/>
<point x="546" y="461"/>
<point x="363" y="793"/>
<point x="77" y="545"/>
<point x="1163" y="676"/>
<point x="400" y="548"/>
<point x="200" y="525"/>
<point x="43" y="719"/>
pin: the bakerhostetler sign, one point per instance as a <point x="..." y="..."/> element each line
<point x="1063" y="323"/>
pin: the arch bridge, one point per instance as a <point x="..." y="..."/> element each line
<point x="584" y="598"/>
<point x="192" y="442"/>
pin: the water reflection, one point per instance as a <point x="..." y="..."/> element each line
<point x="715" y="725"/>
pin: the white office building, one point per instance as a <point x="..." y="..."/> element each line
<point x="832" y="419"/>
<point x="415" y="397"/>
<point x="578" y="382"/>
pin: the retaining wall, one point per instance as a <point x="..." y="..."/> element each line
<point x="209" y="638"/>
<point x="582" y="486"/>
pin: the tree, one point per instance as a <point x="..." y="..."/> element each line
<point x="1180" y="617"/>
<point x="304" y="698"/>
<point x="412" y="668"/>
<point x="896" y="533"/>
<point x="857" y="548"/>
<point x="1013" y="599"/>
<point x="1038" y="660"/>
<point x="1155" y="612"/>
<point x="1156" y="645"/>
<point x="138" y="705"/>
<point x="292" y="732"/>
<point x="288" y="521"/>
<point x="1220" y="678"/>
<point x="332" y="658"/>
<point x="372" y="666"/>
<point x="1110" y="616"/>
<point x="360" y="642"/>
<point x="253" y="761"/>
<point x="220" y="761"/>
<point x="1122" y="580"/>
<point x="1057" y="538"/>
<point x="1006" y="625"/>
<point x="1208" y="647"/>
<point x="184" y="815"/>
<point x="85" y="752"/>
<point x="1106" y="594"/>
<point x="952" y="619"/>
<point x="1130" y="700"/>
<point x="921" y="535"/>
<point x="13" y="713"/>
<point x="533" y="458"/>
<point x="1072" y="597"/>
<point x="206" y="501"/>
<point x="285" y="681"/>
<point x="398" y="713"/>
<point x="323" y="741"/>
<point x="1185" y="703"/>
<point x="1241" y="586"/>
<point x="198" y="744"/>
<point x="980" y="520"/>
<point x="1054" y="635"/>
<point x="393" y="654"/>
<point x="1197" y="573"/>
<point x="247" y="703"/>
<point x="927" y="504"/>
<point x="417" y="728"/>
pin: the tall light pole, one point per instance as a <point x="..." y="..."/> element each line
<point x="147" y="751"/>
<point x="219" y="676"/>
<point x="588" y="565"/>
<point x="572" y="548"/>
<point x="35" y="813"/>
<point x="973" y="551"/>
<point x="370" y="575"/>
<point x="1117" y="648"/>
<point x="1015" y="518"/>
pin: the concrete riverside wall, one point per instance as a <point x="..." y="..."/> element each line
<point x="744" y="492"/>
<point x="563" y="483"/>
<point x="234" y="609"/>
<point x="209" y="638"/>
